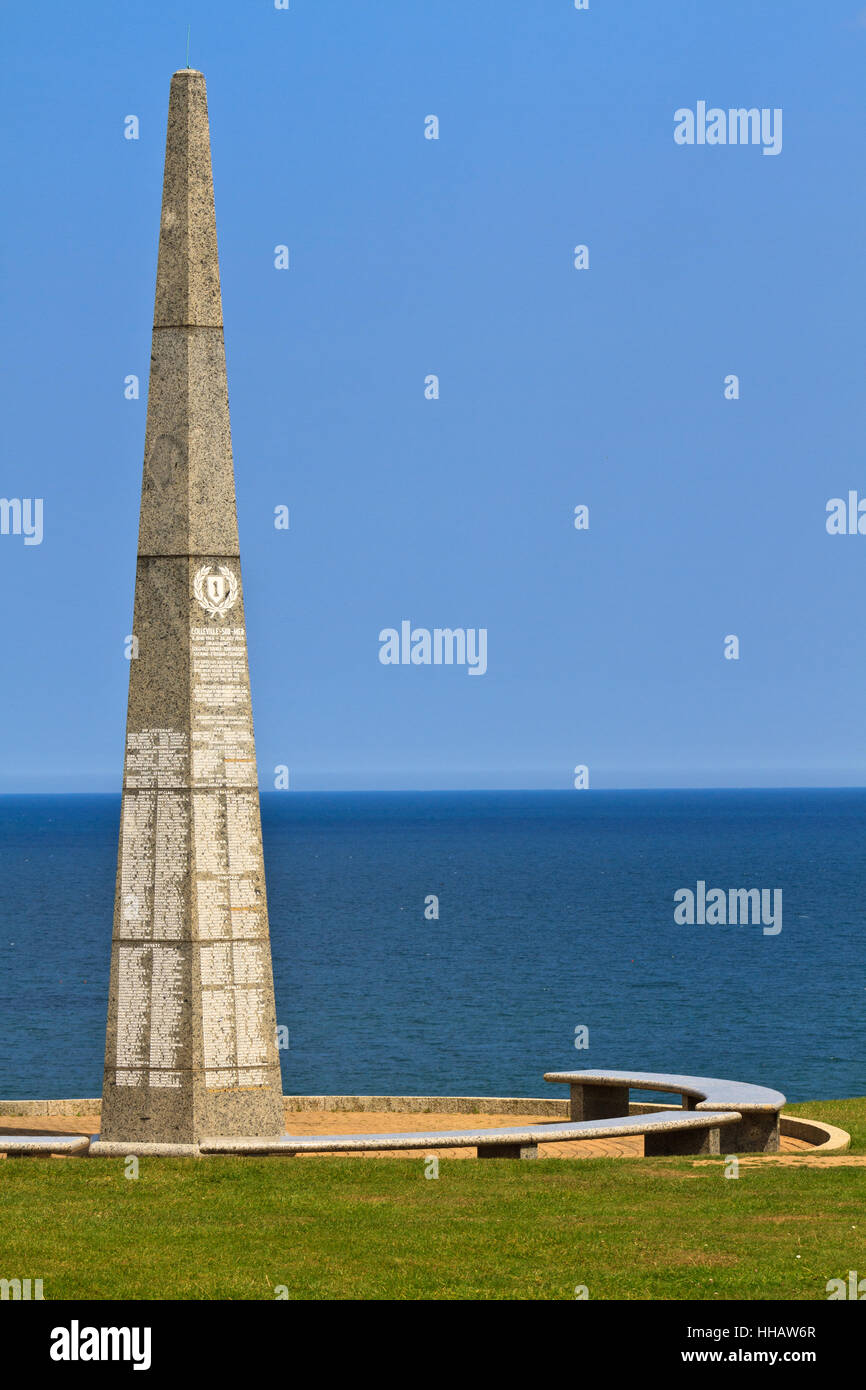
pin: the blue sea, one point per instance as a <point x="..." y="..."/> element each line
<point x="556" y="911"/>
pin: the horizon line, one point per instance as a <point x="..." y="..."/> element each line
<point x="469" y="791"/>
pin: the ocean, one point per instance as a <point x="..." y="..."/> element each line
<point x="555" y="914"/>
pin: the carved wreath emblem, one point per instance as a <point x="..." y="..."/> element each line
<point x="216" y="589"/>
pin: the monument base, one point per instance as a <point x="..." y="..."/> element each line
<point x="153" y="1117"/>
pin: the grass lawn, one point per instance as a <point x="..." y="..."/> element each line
<point x="235" y="1228"/>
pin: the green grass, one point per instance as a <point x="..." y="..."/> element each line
<point x="338" y="1228"/>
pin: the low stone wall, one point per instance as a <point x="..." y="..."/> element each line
<point x="400" y="1105"/>
<point x="51" y="1107"/>
<point x="826" y="1138"/>
<point x="433" y="1105"/>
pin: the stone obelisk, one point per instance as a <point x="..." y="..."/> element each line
<point x="191" y="1040"/>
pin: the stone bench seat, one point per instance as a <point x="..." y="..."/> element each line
<point x="698" y="1132"/>
<point x="43" y="1145"/>
<point x="602" y="1094"/>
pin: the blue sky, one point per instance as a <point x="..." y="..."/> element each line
<point x="558" y="387"/>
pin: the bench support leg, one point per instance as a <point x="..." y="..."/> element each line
<point x="660" y="1143"/>
<point x="597" y="1102"/>
<point x="756" y="1133"/>
<point x="507" y="1150"/>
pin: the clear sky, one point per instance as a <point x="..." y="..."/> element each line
<point x="558" y="387"/>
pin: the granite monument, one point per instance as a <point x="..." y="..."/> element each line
<point x="191" y="1039"/>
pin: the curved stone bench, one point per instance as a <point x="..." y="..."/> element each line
<point x="699" y="1133"/>
<point x="602" y="1094"/>
<point x="599" y="1109"/>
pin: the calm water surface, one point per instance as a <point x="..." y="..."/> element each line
<point x="555" y="910"/>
